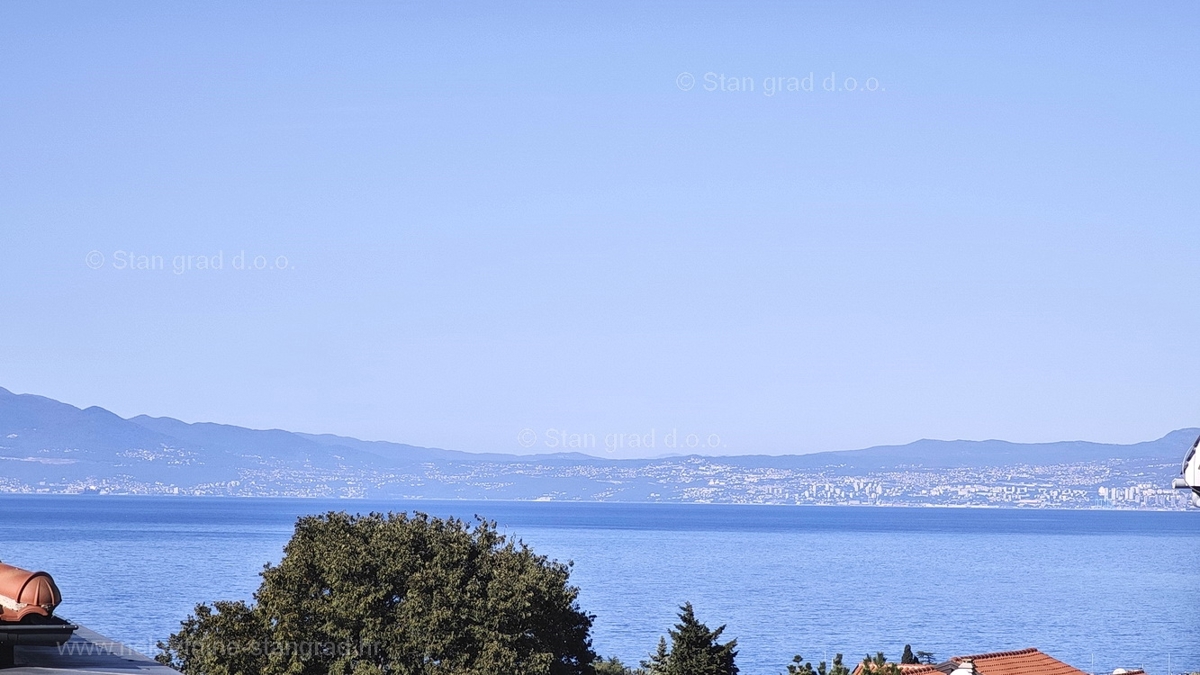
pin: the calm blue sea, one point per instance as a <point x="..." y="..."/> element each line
<point x="1098" y="589"/>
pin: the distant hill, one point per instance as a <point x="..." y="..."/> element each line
<point x="43" y="440"/>
<point x="966" y="454"/>
<point x="399" y="452"/>
<point x="48" y="444"/>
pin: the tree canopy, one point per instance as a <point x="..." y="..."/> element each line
<point x="613" y="666"/>
<point x="879" y="665"/>
<point x="798" y="666"/>
<point x="394" y="595"/>
<point x="695" y="649"/>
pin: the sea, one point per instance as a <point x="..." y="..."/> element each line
<point x="1097" y="589"/>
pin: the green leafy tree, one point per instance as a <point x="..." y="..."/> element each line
<point x="799" y="667"/>
<point x="925" y="657"/>
<point x="225" y="639"/>
<point x="908" y="657"/>
<point x="695" y="649"/>
<point x="394" y="595"/>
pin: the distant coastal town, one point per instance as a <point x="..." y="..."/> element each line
<point x="1108" y="484"/>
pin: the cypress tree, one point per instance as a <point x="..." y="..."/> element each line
<point x="659" y="661"/>
<point x="695" y="649"/>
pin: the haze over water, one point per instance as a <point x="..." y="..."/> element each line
<point x="1076" y="584"/>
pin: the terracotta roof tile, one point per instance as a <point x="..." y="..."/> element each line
<point x="1021" y="662"/>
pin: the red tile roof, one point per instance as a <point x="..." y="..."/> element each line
<point x="1022" y="662"/>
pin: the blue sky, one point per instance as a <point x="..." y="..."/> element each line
<point x="479" y="220"/>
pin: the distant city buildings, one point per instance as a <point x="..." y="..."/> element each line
<point x="1109" y="484"/>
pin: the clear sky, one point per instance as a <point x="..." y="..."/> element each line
<point x="486" y="225"/>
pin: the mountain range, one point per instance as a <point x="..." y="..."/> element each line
<point x="47" y="445"/>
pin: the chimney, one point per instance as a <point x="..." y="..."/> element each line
<point x="965" y="667"/>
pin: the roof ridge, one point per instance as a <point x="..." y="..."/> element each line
<point x="995" y="655"/>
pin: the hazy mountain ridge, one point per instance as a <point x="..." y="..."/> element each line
<point x="928" y="453"/>
<point x="53" y="446"/>
<point x="404" y="452"/>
